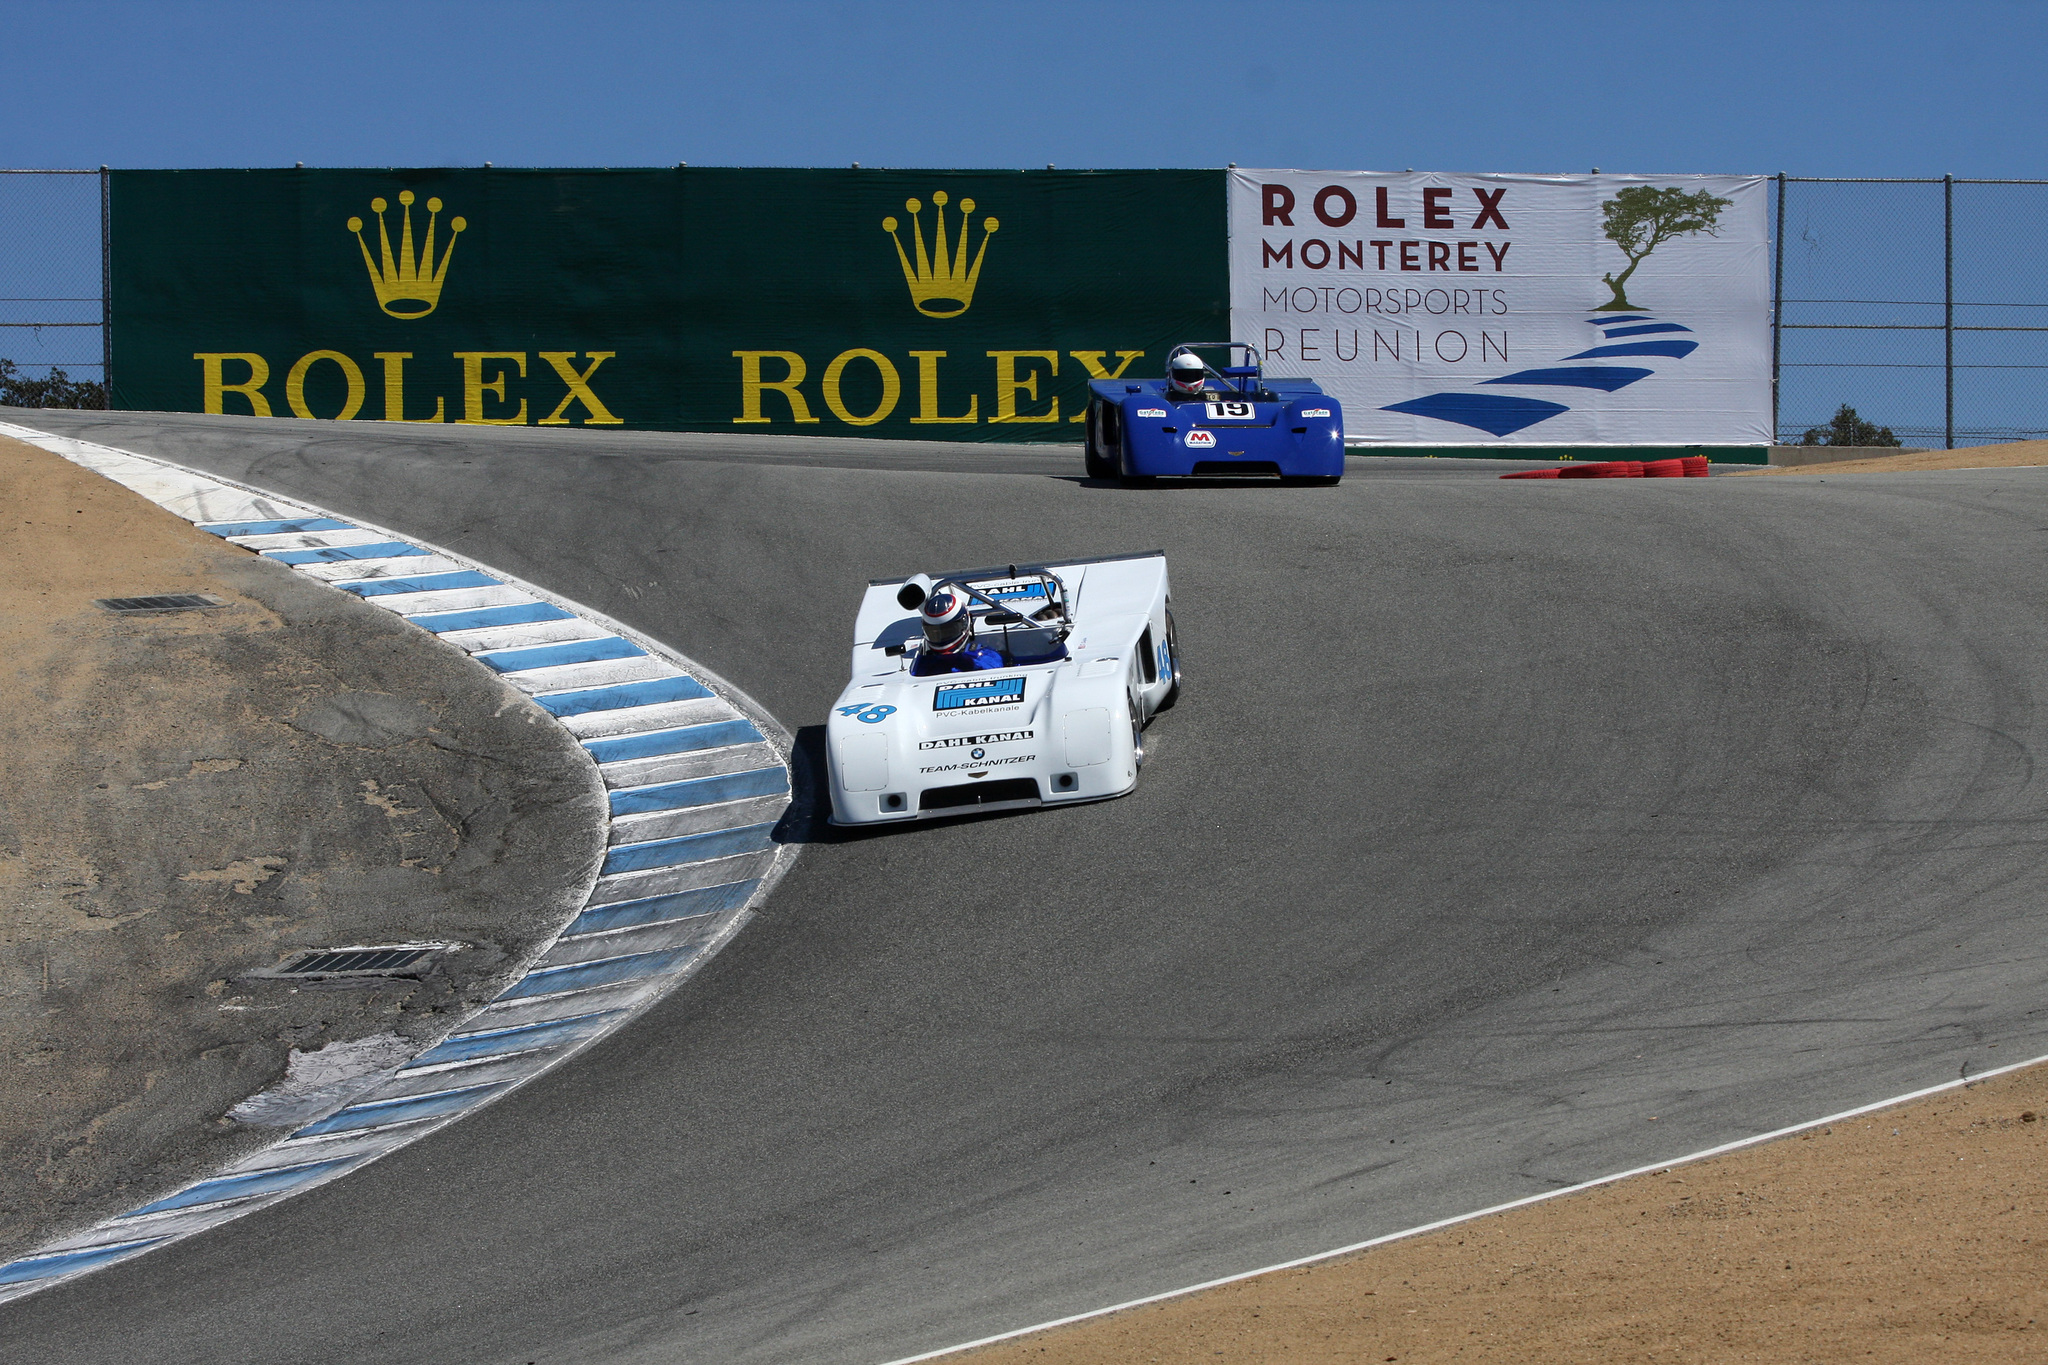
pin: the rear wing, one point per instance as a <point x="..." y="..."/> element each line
<point x="1247" y="375"/>
<point x="1115" y="391"/>
<point x="999" y="570"/>
<point x="887" y="619"/>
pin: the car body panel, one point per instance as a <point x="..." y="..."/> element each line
<point x="1290" y="428"/>
<point x="1061" y="725"/>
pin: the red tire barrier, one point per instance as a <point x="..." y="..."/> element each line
<point x="1685" y="466"/>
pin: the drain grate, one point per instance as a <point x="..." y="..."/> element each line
<point x="170" y="601"/>
<point x="387" y="961"/>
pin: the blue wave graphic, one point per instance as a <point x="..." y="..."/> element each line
<point x="1606" y="378"/>
<point x="1499" y="413"/>
<point x="1502" y="414"/>
<point x="1646" y="330"/>
<point x="1677" y="350"/>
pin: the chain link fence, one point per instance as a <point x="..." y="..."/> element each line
<point x="53" y="335"/>
<point x="1920" y="303"/>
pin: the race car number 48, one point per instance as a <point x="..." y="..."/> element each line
<point x="1231" y="412"/>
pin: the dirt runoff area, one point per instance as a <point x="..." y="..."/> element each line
<point x="2012" y="454"/>
<point x="1908" y="1235"/>
<point x="190" y="798"/>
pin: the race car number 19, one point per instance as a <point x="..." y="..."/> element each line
<point x="1231" y="412"/>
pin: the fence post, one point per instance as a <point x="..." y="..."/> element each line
<point x="1948" y="307"/>
<point x="106" y="295"/>
<point x="1777" y="306"/>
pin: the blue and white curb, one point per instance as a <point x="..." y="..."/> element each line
<point x="696" y="772"/>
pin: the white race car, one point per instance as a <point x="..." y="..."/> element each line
<point x="1088" y="657"/>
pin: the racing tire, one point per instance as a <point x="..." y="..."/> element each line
<point x="1137" y="734"/>
<point x="1097" y="464"/>
<point x="1172" y="667"/>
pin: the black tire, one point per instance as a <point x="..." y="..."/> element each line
<point x="1172" y="666"/>
<point x="1097" y="463"/>
<point x="1137" y="734"/>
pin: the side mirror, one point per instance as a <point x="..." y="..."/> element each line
<point x="912" y="594"/>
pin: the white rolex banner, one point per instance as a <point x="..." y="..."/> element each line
<point x="1536" y="310"/>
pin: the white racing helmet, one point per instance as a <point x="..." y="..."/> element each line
<point x="948" y="626"/>
<point x="1184" y="372"/>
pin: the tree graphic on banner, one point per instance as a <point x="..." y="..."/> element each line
<point x="1642" y="218"/>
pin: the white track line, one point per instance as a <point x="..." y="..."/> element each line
<point x="1453" y="1221"/>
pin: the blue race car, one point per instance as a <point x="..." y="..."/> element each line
<point x="1240" y="423"/>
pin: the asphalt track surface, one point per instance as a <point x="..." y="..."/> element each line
<point x="1497" y="820"/>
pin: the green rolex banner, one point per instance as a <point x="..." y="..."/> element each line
<point x="956" y="305"/>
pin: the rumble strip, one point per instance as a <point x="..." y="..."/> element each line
<point x="697" y="774"/>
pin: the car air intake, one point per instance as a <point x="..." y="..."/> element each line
<point x="970" y="794"/>
<point x="1206" y="468"/>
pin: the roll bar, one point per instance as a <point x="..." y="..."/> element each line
<point x="1252" y="369"/>
<point x="912" y="594"/>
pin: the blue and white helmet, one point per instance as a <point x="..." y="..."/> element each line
<point x="948" y="625"/>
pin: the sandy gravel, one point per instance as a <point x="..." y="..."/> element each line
<point x="188" y="798"/>
<point x="1915" y="1234"/>
<point x="2007" y="456"/>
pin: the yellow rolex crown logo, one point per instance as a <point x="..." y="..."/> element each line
<point x="408" y="286"/>
<point x="942" y="284"/>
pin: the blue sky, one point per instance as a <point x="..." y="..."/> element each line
<point x="1808" y="87"/>
<point x="1820" y="88"/>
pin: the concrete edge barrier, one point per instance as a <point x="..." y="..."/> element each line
<point x="697" y="774"/>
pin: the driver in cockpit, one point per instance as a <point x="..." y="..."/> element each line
<point x="949" y="637"/>
<point x="1185" y="377"/>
